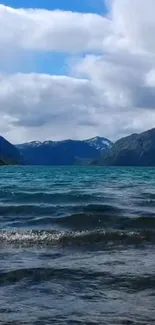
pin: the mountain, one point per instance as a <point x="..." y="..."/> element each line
<point x="67" y="152"/>
<point x="9" y="154"/>
<point x="100" y="143"/>
<point x="133" y="150"/>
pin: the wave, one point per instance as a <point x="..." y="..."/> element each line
<point x="76" y="217"/>
<point x="28" y="210"/>
<point x="106" y="220"/>
<point x="65" y="239"/>
<point x="122" y="281"/>
<point x="43" y="197"/>
<point x="59" y="213"/>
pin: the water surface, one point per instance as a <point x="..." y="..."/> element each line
<point x="77" y="245"/>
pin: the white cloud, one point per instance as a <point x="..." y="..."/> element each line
<point x="35" y="106"/>
<point x="134" y="22"/>
<point x="122" y="78"/>
<point x="110" y="94"/>
<point x="130" y="26"/>
<point x="60" y="104"/>
<point x="44" y="30"/>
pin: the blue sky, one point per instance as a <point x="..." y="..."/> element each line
<point x="53" y="63"/>
<point x="94" y="6"/>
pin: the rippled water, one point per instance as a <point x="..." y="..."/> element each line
<point x="77" y="245"/>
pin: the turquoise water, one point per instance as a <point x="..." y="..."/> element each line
<point x="77" y="245"/>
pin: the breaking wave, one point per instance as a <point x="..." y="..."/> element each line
<point x="62" y="238"/>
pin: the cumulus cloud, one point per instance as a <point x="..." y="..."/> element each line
<point x="58" y="103"/>
<point x="134" y="23"/>
<point x="57" y="107"/>
<point x="43" y="30"/>
<point x="122" y="78"/>
<point x="110" y="94"/>
<point x="130" y="24"/>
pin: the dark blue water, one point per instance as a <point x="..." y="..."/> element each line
<point x="77" y="245"/>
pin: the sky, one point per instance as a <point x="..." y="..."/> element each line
<point x="76" y="69"/>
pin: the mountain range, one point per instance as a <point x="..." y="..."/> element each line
<point x="134" y="150"/>
<point x="66" y="152"/>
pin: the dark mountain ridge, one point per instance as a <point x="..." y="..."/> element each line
<point x="134" y="150"/>
<point x="9" y="154"/>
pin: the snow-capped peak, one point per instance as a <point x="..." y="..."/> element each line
<point x="100" y="143"/>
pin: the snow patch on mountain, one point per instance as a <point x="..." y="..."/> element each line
<point x="99" y="143"/>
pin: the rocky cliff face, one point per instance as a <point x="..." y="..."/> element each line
<point x="134" y="150"/>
